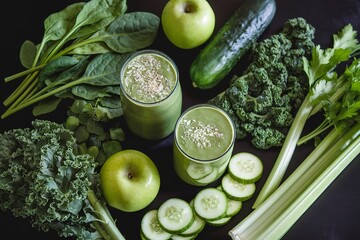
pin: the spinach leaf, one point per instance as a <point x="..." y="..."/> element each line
<point x="57" y="25"/>
<point x="132" y="31"/>
<point x="95" y="15"/>
<point x="27" y="53"/>
<point x="58" y="65"/>
<point x="91" y="49"/>
<point x="104" y="69"/>
<point x="90" y="92"/>
<point x="46" y="106"/>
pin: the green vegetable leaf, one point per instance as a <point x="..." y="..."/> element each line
<point x="91" y="48"/>
<point x="54" y="67"/>
<point x="97" y="14"/>
<point x="46" y="106"/>
<point x="90" y="92"/>
<point x="58" y="24"/>
<point x="104" y="69"/>
<point x="27" y="53"/>
<point x="131" y="31"/>
<point x="346" y="39"/>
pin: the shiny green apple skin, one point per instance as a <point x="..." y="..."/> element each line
<point x="129" y="180"/>
<point x="188" y="23"/>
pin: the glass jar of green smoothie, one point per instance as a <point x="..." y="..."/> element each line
<point x="204" y="138"/>
<point x="150" y="94"/>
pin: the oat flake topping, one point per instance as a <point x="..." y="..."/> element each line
<point x="143" y="77"/>
<point x="199" y="133"/>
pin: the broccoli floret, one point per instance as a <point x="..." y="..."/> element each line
<point x="264" y="99"/>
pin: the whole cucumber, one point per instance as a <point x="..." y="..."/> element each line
<point x="231" y="42"/>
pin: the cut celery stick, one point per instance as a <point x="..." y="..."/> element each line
<point x="294" y="186"/>
<point x="288" y="217"/>
<point x="287" y="150"/>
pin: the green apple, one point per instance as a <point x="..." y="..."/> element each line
<point x="129" y="180"/>
<point x="188" y="23"/>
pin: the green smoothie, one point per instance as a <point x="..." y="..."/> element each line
<point x="203" y="144"/>
<point x="151" y="94"/>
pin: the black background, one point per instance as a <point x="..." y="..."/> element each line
<point x="336" y="213"/>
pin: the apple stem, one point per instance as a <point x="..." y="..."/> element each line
<point x="188" y="8"/>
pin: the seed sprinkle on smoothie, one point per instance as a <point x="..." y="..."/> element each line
<point x="149" y="78"/>
<point x="200" y="134"/>
<point x="203" y="142"/>
<point x="204" y="133"/>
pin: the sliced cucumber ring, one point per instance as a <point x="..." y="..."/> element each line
<point x="219" y="222"/>
<point x="151" y="229"/>
<point x="223" y="167"/>
<point x="179" y="237"/>
<point x="245" y="167"/>
<point x="233" y="207"/>
<point x="198" y="170"/>
<point x="210" y="204"/>
<point x="175" y="215"/>
<point x="209" y="178"/>
<point x="195" y="228"/>
<point x="236" y="190"/>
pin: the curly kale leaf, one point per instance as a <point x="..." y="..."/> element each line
<point x="264" y="99"/>
<point x="43" y="179"/>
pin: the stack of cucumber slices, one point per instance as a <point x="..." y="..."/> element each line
<point x="178" y="219"/>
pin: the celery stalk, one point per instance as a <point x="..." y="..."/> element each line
<point x="286" y="152"/>
<point x="288" y="217"/>
<point x="280" y="201"/>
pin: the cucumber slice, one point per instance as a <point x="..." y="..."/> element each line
<point x="223" y="167"/>
<point x="236" y="190"/>
<point x="219" y="222"/>
<point x="245" y="167"/>
<point x="179" y="237"/>
<point x="209" y="178"/>
<point x="150" y="228"/>
<point x="210" y="204"/>
<point x="195" y="228"/>
<point x="198" y="170"/>
<point x="175" y="215"/>
<point x="233" y="207"/>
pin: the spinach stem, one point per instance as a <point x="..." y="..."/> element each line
<point x="24" y="73"/>
<point x="23" y="96"/>
<point x="76" y="45"/>
<point x="20" y="89"/>
<point x="37" y="98"/>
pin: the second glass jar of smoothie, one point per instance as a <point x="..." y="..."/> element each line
<point x="150" y="94"/>
<point x="204" y="139"/>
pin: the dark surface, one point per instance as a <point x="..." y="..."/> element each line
<point x="335" y="215"/>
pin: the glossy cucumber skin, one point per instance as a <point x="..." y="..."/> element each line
<point x="231" y="42"/>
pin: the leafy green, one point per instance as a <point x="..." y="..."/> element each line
<point x="263" y="101"/>
<point x="71" y="38"/>
<point x="44" y="179"/>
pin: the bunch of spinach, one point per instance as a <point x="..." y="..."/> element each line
<point x="44" y="178"/>
<point x="83" y="36"/>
